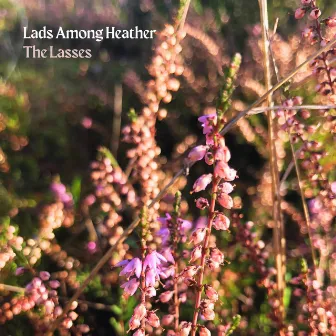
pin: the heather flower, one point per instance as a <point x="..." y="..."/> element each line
<point x="197" y="153"/>
<point x="202" y="203"/>
<point x="132" y="267"/>
<point x="203" y="331"/>
<point x="196" y="253"/>
<point x="216" y="255"/>
<point x="221" y="222"/>
<point x="134" y="323"/>
<point x="223" y="170"/>
<point x="153" y="319"/>
<point x="166" y="296"/>
<point x="151" y="277"/>
<point x="185" y="328"/>
<point x="153" y="260"/>
<point x="300" y="13"/>
<point x="315" y="14"/>
<point x="208" y="122"/>
<point x="140" y="311"/>
<point x="211" y="293"/>
<point x="130" y="286"/>
<point x="197" y="236"/>
<point x="225" y="200"/>
<point x="139" y="332"/>
<point x="202" y="182"/>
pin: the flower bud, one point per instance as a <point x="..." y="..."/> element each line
<point x="299" y="13"/>
<point x="315" y="14"/>
<point x="185" y="328"/>
<point x="202" y="203"/>
<point x="153" y="319"/>
<point x="202" y="182"/>
<point x="196" y="253"/>
<point x="203" y="331"/>
<point x="140" y="311"/>
<point x="216" y="255"/>
<point x="197" y="153"/>
<point x="134" y="323"/>
<point x="139" y="332"/>
<point x="166" y="296"/>
<point x="208" y="314"/>
<point x="197" y="236"/>
<point x="167" y="320"/>
<point x="221" y="222"/>
<point x="225" y="200"/>
<point x="211" y="293"/>
<point x="44" y="275"/>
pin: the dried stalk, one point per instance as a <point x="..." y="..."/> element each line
<point x="278" y="229"/>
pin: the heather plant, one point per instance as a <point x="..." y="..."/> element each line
<point x="184" y="187"/>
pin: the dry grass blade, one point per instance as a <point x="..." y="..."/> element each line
<point x="278" y="229"/>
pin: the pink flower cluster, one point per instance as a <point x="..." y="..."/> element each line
<point x="144" y="273"/>
<point x="320" y="31"/>
<point x="205" y="256"/>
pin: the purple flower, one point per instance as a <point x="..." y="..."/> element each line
<point x="153" y="260"/>
<point x="150" y="279"/>
<point x="130" y="286"/>
<point x="132" y="267"/>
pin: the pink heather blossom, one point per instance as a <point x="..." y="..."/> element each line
<point x="44" y="275"/>
<point x="189" y="271"/>
<point x="221" y="222"/>
<point x="167" y="319"/>
<point x="300" y="13"/>
<point x="202" y="182"/>
<point x="185" y="328"/>
<point x="223" y="170"/>
<point x="133" y="267"/>
<point x="226" y="187"/>
<point x="315" y="14"/>
<point x="203" y="331"/>
<point x="331" y="22"/>
<point x="153" y="319"/>
<point x="211" y="293"/>
<point x="151" y="277"/>
<point x="197" y="153"/>
<point x="197" y="236"/>
<point x="150" y="291"/>
<point x="166" y="296"/>
<point x="216" y="255"/>
<point x="20" y="271"/>
<point x="196" y="253"/>
<point x="333" y="187"/>
<point x="134" y="323"/>
<point x="153" y="260"/>
<point x="54" y="284"/>
<point x="140" y="311"/>
<point x="168" y="255"/>
<point x="225" y="200"/>
<point x="208" y="121"/>
<point x="139" y="332"/>
<point x="222" y="154"/>
<point x="130" y="286"/>
<point x="208" y="314"/>
<point x="202" y="203"/>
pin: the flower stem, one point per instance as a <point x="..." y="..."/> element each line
<point x="199" y="285"/>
